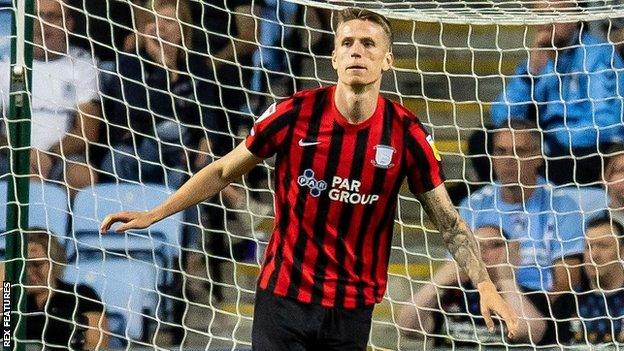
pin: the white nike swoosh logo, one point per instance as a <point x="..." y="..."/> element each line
<point x="308" y="143"/>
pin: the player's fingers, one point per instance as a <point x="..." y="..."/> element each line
<point x="124" y="227"/>
<point x="512" y="323"/>
<point x="510" y="318"/>
<point x="113" y="218"/>
<point x="485" y="312"/>
<point x="106" y="223"/>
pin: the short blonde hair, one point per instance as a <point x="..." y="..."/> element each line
<point x="352" y="13"/>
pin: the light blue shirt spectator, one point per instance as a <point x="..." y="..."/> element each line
<point x="275" y="28"/>
<point x="548" y="228"/>
<point x="578" y="100"/>
<point x="5" y="29"/>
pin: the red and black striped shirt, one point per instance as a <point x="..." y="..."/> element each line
<point x="336" y="190"/>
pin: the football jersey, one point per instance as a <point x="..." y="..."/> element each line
<point x="336" y="191"/>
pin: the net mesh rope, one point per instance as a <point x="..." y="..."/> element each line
<point x="481" y="12"/>
<point x="190" y="280"/>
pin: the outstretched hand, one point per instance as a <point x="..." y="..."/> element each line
<point x="130" y="220"/>
<point x="492" y="302"/>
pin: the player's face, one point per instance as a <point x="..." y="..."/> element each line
<point x="50" y="27"/>
<point x="614" y="177"/>
<point x="361" y="53"/>
<point x="37" y="266"/>
<point x="515" y="157"/>
<point x="601" y="251"/>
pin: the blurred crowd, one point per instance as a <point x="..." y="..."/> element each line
<point x="555" y="253"/>
<point x="150" y="91"/>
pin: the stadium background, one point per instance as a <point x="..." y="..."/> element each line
<point x="446" y="73"/>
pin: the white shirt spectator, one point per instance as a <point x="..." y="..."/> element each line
<point x="59" y="86"/>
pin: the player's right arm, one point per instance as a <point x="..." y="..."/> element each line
<point x="206" y="183"/>
<point x="427" y="183"/>
<point x="265" y="139"/>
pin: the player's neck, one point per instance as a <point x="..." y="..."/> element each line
<point x="356" y="104"/>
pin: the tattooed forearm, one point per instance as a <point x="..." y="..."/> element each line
<point x="458" y="238"/>
<point x="462" y="245"/>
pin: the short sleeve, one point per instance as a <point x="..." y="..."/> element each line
<point x="424" y="171"/>
<point x="270" y="129"/>
<point x="88" y="300"/>
<point x="567" y="226"/>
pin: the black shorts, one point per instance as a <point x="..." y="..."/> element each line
<point x="281" y="323"/>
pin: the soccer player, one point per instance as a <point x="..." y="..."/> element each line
<point x="342" y="153"/>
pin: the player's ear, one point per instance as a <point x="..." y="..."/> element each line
<point x="388" y="61"/>
<point x="334" y="63"/>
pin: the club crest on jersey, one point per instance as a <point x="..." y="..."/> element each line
<point x="383" y="156"/>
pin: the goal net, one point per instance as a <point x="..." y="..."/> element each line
<point x="129" y="98"/>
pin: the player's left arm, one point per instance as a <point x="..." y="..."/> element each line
<point x="462" y="245"/>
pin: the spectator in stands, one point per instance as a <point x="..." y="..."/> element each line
<point x="601" y="302"/>
<point x="453" y="316"/>
<point x="59" y="314"/>
<point x="611" y="29"/>
<point x="479" y="149"/>
<point x="155" y="100"/>
<point x="231" y="38"/>
<point x="5" y="27"/>
<point x="275" y="28"/>
<point x="102" y="26"/>
<point x="158" y="102"/>
<point x="64" y="103"/>
<point x="571" y="87"/>
<point x="161" y="122"/>
<point x="549" y="228"/>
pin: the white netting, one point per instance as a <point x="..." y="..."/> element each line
<point x="483" y="12"/>
<point x="176" y="85"/>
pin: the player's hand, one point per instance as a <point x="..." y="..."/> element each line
<point x="491" y="301"/>
<point x="130" y="220"/>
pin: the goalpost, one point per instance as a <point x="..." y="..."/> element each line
<point x="189" y="282"/>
